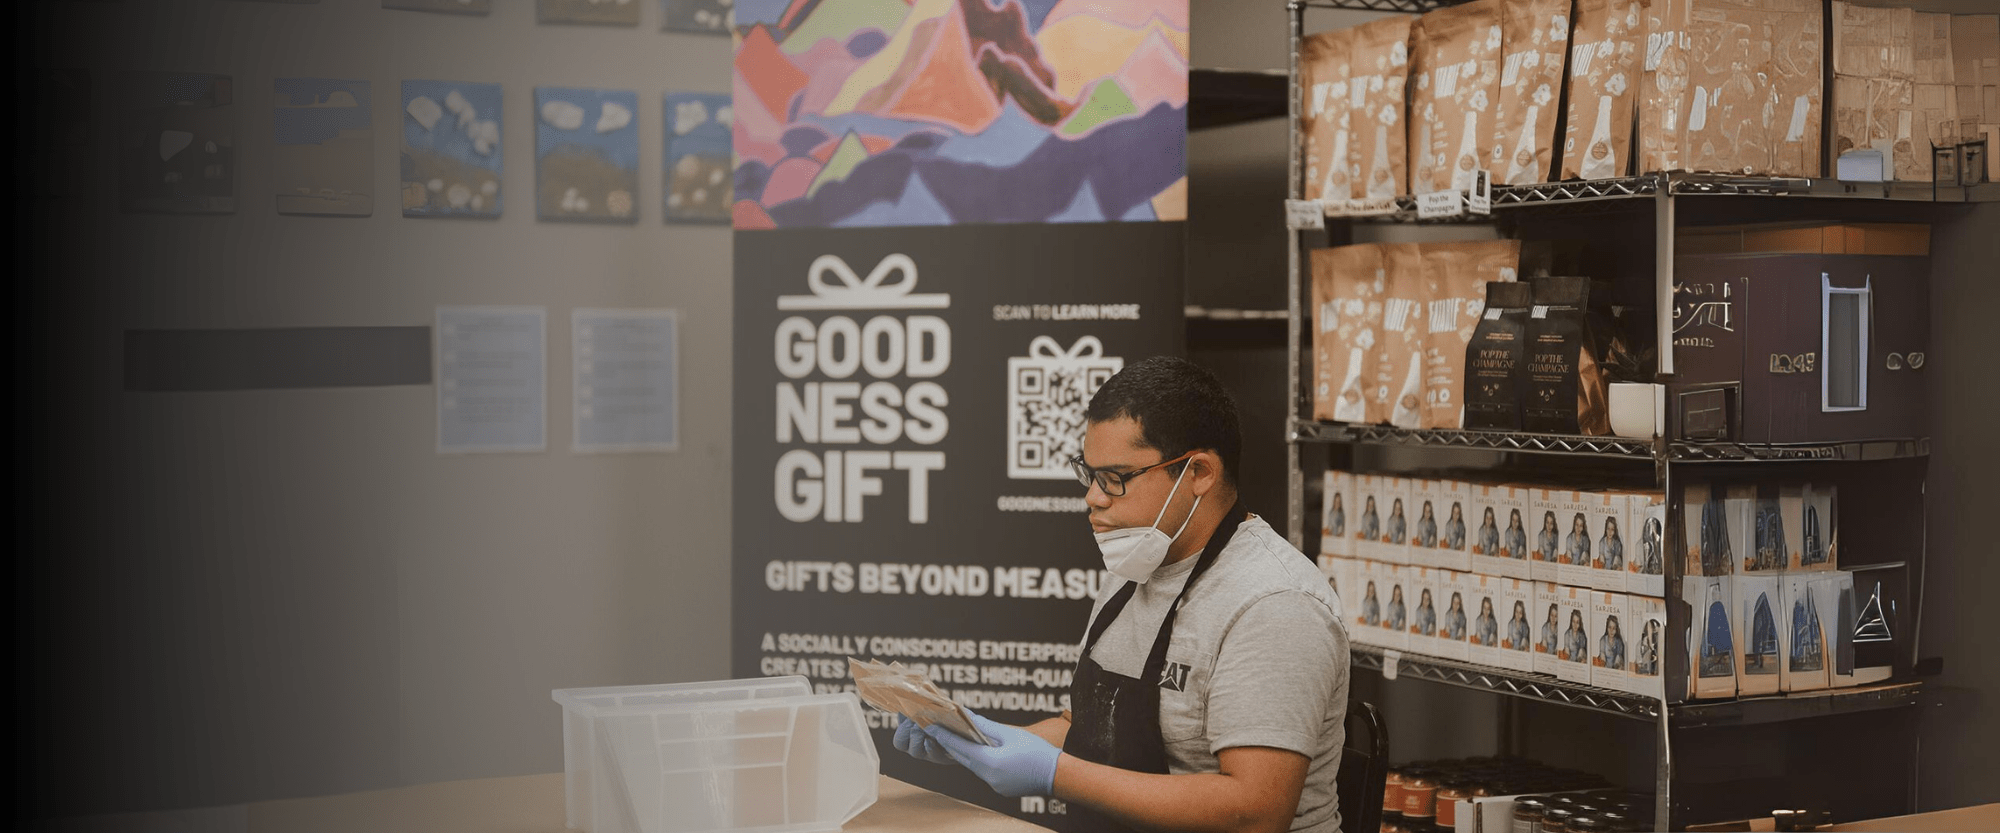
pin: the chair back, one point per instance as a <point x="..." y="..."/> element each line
<point x="1364" y="769"/>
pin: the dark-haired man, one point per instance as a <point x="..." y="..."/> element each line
<point x="1213" y="685"/>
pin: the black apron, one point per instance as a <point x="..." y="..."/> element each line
<point x="1115" y="720"/>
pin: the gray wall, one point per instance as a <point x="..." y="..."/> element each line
<point x="288" y="592"/>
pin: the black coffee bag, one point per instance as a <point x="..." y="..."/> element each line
<point x="1566" y="389"/>
<point x="1495" y="359"/>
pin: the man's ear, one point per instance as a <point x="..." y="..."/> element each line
<point x="1207" y="473"/>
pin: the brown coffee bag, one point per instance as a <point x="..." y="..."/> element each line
<point x="1375" y="87"/>
<point x="1399" y="364"/>
<point x="1603" y="85"/>
<point x="1324" y="64"/>
<point x="1534" y="41"/>
<point x="1455" y="279"/>
<point x="1347" y="283"/>
<point x="1455" y="73"/>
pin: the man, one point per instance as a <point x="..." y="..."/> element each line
<point x="1212" y="689"/>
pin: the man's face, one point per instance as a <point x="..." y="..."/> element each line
<point x="1118" y="445"/>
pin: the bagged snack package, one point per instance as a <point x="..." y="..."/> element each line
<point x="1604" y="65"/>
<point x="1567" y="389"/>
<point x="1348" y="284"/>
<point x="1456" y="276"/>
<point x="1496" y="359"/>
<point x="1757" y="635"/>
<point x="1399" y="364"/>
<point x="1375" y="86"/>
<point x="1663" y="90"/>
<point x="1334" y="540"/>
<point x="1324" y="69"/>
<point x="1454" y="77"/>
<point x="1534" y="40"/>
<point x="1755" y="77"/>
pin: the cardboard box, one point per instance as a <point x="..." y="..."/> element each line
<point x="1709" y="539"/>
<point x="1819" y="531"/>
<point x="1739" y="503"/>
<point x="1802" y="653"/>
<point x="1376" y="87"/>
<point x="1454" y="618"/>
<point x="1813" y="348"/>
<point x="1396" y="605"/>
<point x="1454" y="551"/>
<point x="1427" y="499"/>
<point x="1515" y="507"/>
<point x="1347" y="286"/>
<point x="1880" y="633"/>
<point x="1757" y="634"/>
<point x="1534" y="45"/>
<point x="1754" y="77"/>
<point x="1334" y="538"/>
<point x="1545" y="538"/>
<point x="1396" y="493"/>
<point x="1364" y="613"/>
<point x="1714" y="656"/>
<point x="1771" y="540"/>
<point x="1486" y="518"/>
<point x="1547" y="615"/>
<point x="1910" y="239"/>
<point x="1604" y="67"/>
<point x="1455" y="81"/>
<point x="1340" y="578"/>
<point x="1377" y="495"/>
<point x="1420" y="589"/>
<point x="1645" y="564"/>
<point x="1611" y="649"/>
<point x="1573" y="647"/>
<point x="1517" y="624"/>
<point x="1488" y="614"/>
<point x="1833" y="590"/>
<point x="1575" y="563"/>
<point x="1398" y="392"/>
<point x="1647" y="677"/>
<point x="1327" y="119"/>
<point x="1608" y="523"/>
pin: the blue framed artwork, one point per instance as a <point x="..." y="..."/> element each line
<point x="698" y="186"/>
<point x="323" y="160"/>
<point x="451" y="155"/>
<point x="177" y="144"/>
<point x="586" y="154"/>
<point x="600" y="12"/>
<point x="701" y="17"/>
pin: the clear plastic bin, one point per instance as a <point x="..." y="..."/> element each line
<point x="727" y="755"/>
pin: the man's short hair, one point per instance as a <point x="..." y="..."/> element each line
<point x="1179" y="405"/>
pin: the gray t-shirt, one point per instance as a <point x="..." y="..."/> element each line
<point x="1258" y="658"/>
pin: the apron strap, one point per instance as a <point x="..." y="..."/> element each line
<point x="1156" y="660"/>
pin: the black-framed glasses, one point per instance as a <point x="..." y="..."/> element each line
<point x="1113" y="482"/>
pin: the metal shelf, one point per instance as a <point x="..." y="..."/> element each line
<point x="1584" y="192"/>
<point x="1411" y="6"/>
<point x="1515" y="683"/>
<point x="1612" y="447"/>
<point x="1795" y="706"/>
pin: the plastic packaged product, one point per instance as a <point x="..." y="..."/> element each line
<point x="1534" y="40"/>
<point x="1495" y="359"/>
<point x="1455" y="78"/>
<point x="1456" y="275"/>
<point x="1603" y="82"/>
<point x="1325" y="64"/>
<point x="1347" y="283"/>
<point x="1398" y="391"/>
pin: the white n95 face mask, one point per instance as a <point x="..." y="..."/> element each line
<point x="1133" y="553"/>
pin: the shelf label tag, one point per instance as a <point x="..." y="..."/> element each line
<point x="1479" y="200"/>
<point x="1304" y="214"/>
<point x="1336" y="208"/>
<point x="1390" y="659"/>
<point x="1360" y="207"/>
<point x="1440" y="204"/>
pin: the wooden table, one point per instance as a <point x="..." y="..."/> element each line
<point x="534" y="804"/>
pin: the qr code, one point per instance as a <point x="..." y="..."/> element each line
<point x="1047" y="394"/>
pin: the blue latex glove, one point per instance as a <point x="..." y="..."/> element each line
<point x="911" y="741"/>
<point x="1020" y="764"/>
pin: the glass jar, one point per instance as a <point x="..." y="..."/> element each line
<point x="1392" y="796"/>
<point x="1528" y="813"/>
<point x="1556" y="820"/>
<point x="1448" y="795"/>
<point x="1419" y="795"/>
<point x="1588" y="824"/>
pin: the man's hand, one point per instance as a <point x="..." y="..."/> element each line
<point x="1018" y="764"/>
<point x="912" y="741"/>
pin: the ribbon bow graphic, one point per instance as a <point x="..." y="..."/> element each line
<point x="1044" y="347"/>
<point x="854" y="292"/>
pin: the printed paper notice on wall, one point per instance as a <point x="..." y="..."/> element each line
<point x="491" y="374"/>
<point x="627" y="379"/>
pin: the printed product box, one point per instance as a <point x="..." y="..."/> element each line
<point x="1364" y="613"/>
<point x="1369" y="526"/>
<point x="1880" y="634"/>
<point x="1611" y="648"/>
<point x="1573" y="562"/>
<point x="1396" y="605"/>
<point x="1455" y="77"/>
<point x="1608" y="522"/>
<point x="1802" y="649"/>
<point x="1397" y="519"/>
<point x="1340" y="577"/>
<point x="1818" y="545"/>
<point x="1757" y="634"/>
<point x="1573" y="645"/>
<point x="1488" y="615"/>
<point x="1334" y="539"/>
<point x="1547" y="616"/>
<point x="1325" y="65"/>
<point x="1376" y="87"/>
<point x="1714" y="652"/>
<point x="1454" y="551"/>
<point x="1454" y="620"/>
<point x="1604" y="64"/>
<point x="1516" y="610"/>
<point x="1707" y="539"/>
<point x="1770" y="539"/>
<point x="1648" y="647"/>
<point x="1534" y="44"/>
<point x="1486" y="518"/>
<point x="1645" y="563"/>
<point x="1833" y="592"/>
<point x="1545" y="538"/>
<point x="1739" y="505"/>
<point x="1426" y="503"/>
<point x="1421" y="586"/>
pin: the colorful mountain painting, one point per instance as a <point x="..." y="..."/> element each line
<point x="940" y="112"/>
